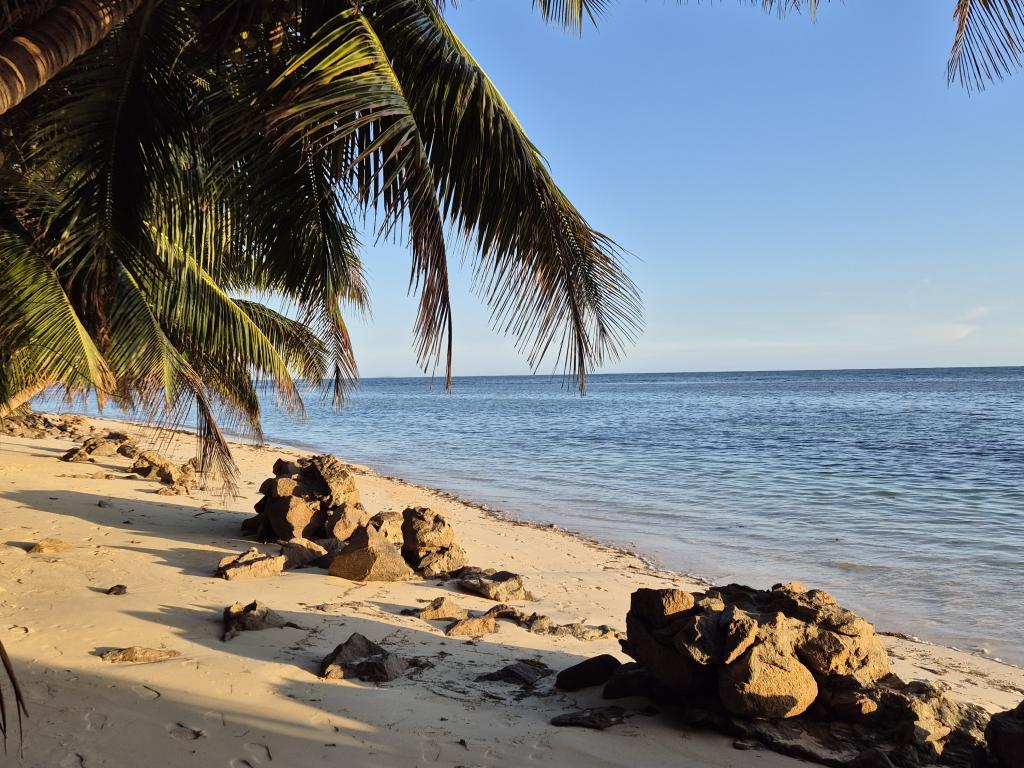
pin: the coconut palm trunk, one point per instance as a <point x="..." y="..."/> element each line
<point x="65" y="32"/>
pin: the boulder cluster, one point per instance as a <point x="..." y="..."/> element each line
<point x="25" y="423"/>
<point x="177" y="479"/>
<point x="311" y="507"/>
<point x="101" y="446"/>
<point x="794" y="669"/>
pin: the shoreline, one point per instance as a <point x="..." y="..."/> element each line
<point x="234" y="703"/>
<point x="650" y="562"/>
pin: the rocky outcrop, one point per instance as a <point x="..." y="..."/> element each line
<point x="311" y="498"/>
<point x="476" y="626"/>
<point x="544" y="625"/>
<point x="251" y="617"/>
<point x="428" y="543"/>
<point x="794" y="670"/>
<point x="362" y="659"/>
<point x="439" y="609"/>
<point x="251" y="564"/>
<point x="25" y="423"/>
<point x="370" y="557"/>
<point x="100" y="446"/>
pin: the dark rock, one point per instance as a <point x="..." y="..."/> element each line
<point x="251" y="617"/>
<point x="363" y="659"/>
<point x="1005" y="736"/>
<point x="118" y="589"/>
<point x="871" y="758"/>
<point x="632" y="680"/>
<point x="597" y="718"/>
<point x="593" y="671"/>
<point x="525" y="672"/>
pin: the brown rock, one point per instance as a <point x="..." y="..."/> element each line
<point x="442" y="562"/>
<point x="49" y="547"/>
<point x="441" y="608"/>
<point x="293" y="518"/>
<point x="370" y="557"/>
<point x="767" y="681"/>
<point x="740" y="633"/>
<point x="136" y="654"/>
<point x="661" y="660"/>
<point x="361" y="658"/>
<point x="338" y="483"/>
<point x="299" y="553"/>
<point x="423" y="529"/>
<point x="251" y="564"/>
<point x="341" y="522"/>
<point x="389" y="524"/>
<point x="472" y="627"/>
<point x="501" y="586"/>
<point x="701" y="637"/>
<point x="657" y="607"/>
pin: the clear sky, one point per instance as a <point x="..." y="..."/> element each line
<point x="797" y="194"/>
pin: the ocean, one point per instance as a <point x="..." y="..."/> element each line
<point x="899" y="491"/>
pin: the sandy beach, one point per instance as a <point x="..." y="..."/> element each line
<point x="257" y="700"/>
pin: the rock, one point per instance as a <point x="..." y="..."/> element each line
<point x="293" y="518"/>
<point x="767" y="681"/>
<point x="632" y="680"/>
<point x="472" y="627"/>
<point x="338" y="483"/>
<point x="423" y="529"/>
<point x="525" y="672"/>
<point x="345" y="520"/>
<point x="389" y="524"/>
<point x="150" y="464"/>
<point x="128" y="449"/>
<point x="501" y="586"/>
<point x="299" y="552"/>
<point x="49" y="546"/>
<point x="593" y="671"/>
<point x="1005" y="737"/>
<point x="658" y="606"/>
<point x="441" y="562"/>
<point x="361" y="658"/>
<point x="441" y="608"/>
<point x="662" y="660"/>
<point x="597" y="718"/>
<point x="255" y="616"/>
<point x="251" y="564"/>
<point x="136" y="654"/>
<point x="370" y="557"/>
<point x="118" y="589"/>
<point x="871" y="758"/>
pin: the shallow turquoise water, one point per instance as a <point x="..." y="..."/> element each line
<point x="901" y="491"/>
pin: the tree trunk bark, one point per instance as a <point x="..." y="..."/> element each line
<point x="20" y="398"/>
<point x="71" y="28"/>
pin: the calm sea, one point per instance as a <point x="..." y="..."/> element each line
<point x="899" y="491"/>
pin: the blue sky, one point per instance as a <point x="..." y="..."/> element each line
<point x="797" y="194"/>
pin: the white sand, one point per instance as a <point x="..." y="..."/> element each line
<point x="256" y="701"/>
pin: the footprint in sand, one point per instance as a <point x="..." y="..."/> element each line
<point x="430" y="751"/>
<point x="95" y="721"/>
<point x="259" y="753"/>
<point x="73" y="761"/>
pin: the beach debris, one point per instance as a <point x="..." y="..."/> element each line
<point x="1005" y="737"/>
<point x="500" y="586"/>
<point x="428" y="543"/>
<point x="300" y="552"/>
<point x="361" y="658"/>
<point x="544" y="625"/>
<point x="251" y="564"/>
<point x="137" y="654"/>
<point x="438" y="609"/>
<point x="118" y="589"/>
<point x="312" y="498"/>
<point x="588" y="673"/>
<point x="792" y="669"/>
<point x="241" y="617"/>
<point x="370" y="557"/>
<point x="596" y="718"/>
<point x="49" y="546"/>
<point x="476" y="626"/>
<point x="525" y="673"/>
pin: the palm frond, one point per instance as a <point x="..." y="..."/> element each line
<point x="989" y="41"/>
